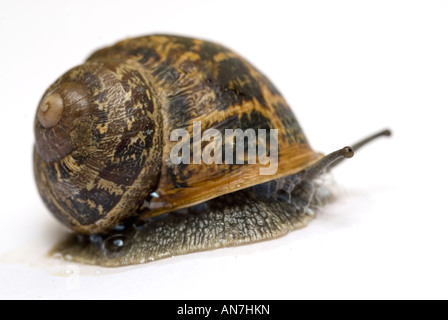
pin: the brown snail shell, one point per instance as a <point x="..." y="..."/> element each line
<point x="103" y="146"/>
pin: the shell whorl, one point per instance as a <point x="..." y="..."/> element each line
<point x="97" y="153"/>
<point x="101" y="152"/>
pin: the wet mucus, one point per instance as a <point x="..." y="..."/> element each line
<point x="258" y="213"/>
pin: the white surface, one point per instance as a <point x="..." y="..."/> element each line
<point x="348" y="68"/>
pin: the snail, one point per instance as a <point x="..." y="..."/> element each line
<point x="103" y="153"/>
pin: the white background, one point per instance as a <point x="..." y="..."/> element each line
<point x="348" y="68"/>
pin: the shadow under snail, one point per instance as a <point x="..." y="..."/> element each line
<point x="102" y="154"/>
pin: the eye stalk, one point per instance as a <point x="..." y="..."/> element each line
<point x="321" y="166"/>
<point x="331" y="160"/>
<point x="362" y="143"/>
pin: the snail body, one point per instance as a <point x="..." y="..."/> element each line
<point x="103" y="146"/>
